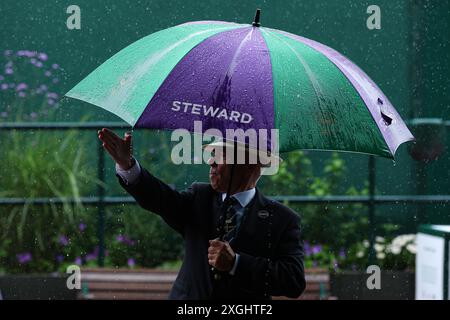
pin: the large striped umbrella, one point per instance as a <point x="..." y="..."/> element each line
<point x="230" y="75"/>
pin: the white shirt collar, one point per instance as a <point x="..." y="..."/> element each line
<point x="243" y="197"/>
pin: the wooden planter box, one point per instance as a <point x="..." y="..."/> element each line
<point x="395" y="285"/>
<point x="35" y="287"/>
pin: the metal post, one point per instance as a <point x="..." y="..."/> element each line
<point x="416" y="79"/>
<point x="371" y="207"/>
<point x="421" y="188"/>
<point x="101" y="204"/>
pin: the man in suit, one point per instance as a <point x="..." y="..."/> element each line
<point x="261" y="254"/>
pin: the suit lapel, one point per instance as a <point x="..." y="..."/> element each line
<point x="254" y="226"/>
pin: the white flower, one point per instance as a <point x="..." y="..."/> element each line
<point x="411" y="248"/>
<point x="378" y="247"/>
<point x="360" y="254"/>
<point x="366" y="243"/>
<point x="381" y="255"/>
<point x="395" y="249"/>
<point x="400" y="241"/>
<point x="379" y="239"/>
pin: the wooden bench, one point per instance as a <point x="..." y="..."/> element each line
<point x="153" y="284"/>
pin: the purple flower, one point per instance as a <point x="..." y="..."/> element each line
<point x="4" y="114"/>
<point x="2" y="77"/>
<point x="335" y="265"/>
<point x="78" y="261"/>
<point x="33" y="61"/>
<point x="124" y="239"/>
<point x="33" y="115"/>
<point x="82" y="226"/>
<point x="43" y="87"/>
<point x="55" y="80"/>
<point x="47" y="73"/>
<point x="24" y="257"/>
<point x="60" y="258"/>
<point x="39" y="64"/>
<point x="21" y="86"/>
<point x="4" y="86"/>
<point x="55" y="66"/>
<point x="9" y="71"/>
<point x="94" y="254"/>
<point x="22" y="94"/>
<point x="43" y="56"/>
<point x="342" y="253"/>
<point x="307" y="248"/>
<point x="52" y="95"/>
<point x="91" y="256"/>
<point x="26" y="53"/>
<point x="63" y="240"/>
<point x="7" y="52"/>
<point x="317" y="249"/>
<point x="131" y="262"/>
<point x="50" y="102"/>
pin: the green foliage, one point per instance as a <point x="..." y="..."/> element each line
<point x="335" y="226"/>
<point x="45" y="238"/>
<point x="141" y="236"/>
<point x="41" y="165"/>
<point x="62" y="165"/>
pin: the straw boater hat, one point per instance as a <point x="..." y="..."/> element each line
<point x="266" y="158"/>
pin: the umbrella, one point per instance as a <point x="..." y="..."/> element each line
<point x="230" y="75"/>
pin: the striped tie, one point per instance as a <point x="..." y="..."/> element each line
<point x="230" y="218"/>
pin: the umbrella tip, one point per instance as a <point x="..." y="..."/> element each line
<point x="256" y="21"/>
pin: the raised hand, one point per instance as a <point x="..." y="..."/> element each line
<point x="119" y="149"/>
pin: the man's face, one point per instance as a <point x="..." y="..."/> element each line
<point x="219" y="171"/>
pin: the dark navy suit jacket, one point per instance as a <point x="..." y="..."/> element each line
<point x="268" y="241"/>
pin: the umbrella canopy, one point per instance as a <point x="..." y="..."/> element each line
<point x="231" y="76"/>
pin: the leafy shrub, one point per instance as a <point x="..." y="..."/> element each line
<point x="335" y="226"/>
<point x="39" y="166"/>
